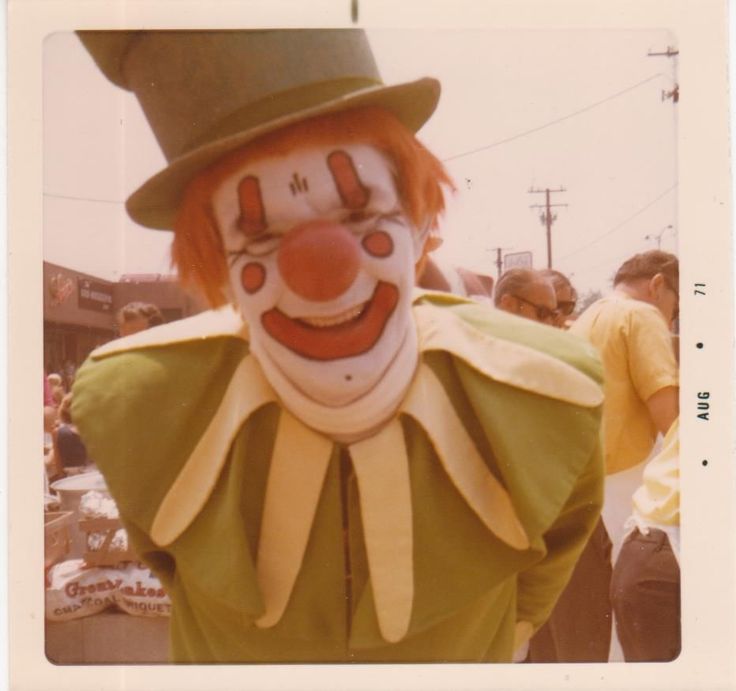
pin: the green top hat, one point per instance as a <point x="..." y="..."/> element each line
<point x="205" y="93"/>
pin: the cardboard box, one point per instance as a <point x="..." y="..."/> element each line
<point x="108" y="637"/>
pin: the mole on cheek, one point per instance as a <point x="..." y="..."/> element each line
<point x="252" y="277"/>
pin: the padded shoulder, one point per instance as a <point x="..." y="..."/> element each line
<point x="558" y="343"/>
<point x="225" y="321"/>
<point x="511" y="350"/>
<point x="142" y="410"/>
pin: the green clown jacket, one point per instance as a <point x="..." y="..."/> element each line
<point x="447" y="538"/>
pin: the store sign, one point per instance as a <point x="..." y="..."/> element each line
<point x="517" y="260"/>
<point x="60" y="288"/>
<point x="94" y="295"/>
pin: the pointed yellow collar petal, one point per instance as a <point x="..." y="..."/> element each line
<point x="298" y="468"/>
<point x="248" y="390"/>
<point x="430" y="406"/>
<point x="382" y="469"/>
<point x="505" y="361"/>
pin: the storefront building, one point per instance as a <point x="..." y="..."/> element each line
<point x="79" y="311"/>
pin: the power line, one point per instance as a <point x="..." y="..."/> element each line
<point x="449" y="158"/>
<point x="618" y="225"/>
<point x="554" y="122"/>
<point x="606" y="262"/>
<point x="82" y="199"/>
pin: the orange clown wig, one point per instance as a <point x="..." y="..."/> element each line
<point x="197" y="250"/>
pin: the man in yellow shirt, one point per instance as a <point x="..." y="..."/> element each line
<point x="630" y="329"/>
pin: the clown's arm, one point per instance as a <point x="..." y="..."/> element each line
<point x="541" y="585"/>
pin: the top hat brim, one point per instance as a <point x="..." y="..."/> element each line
<point x="156" y="202"/>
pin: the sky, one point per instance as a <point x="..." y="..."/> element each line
<point x="581" y="110"/>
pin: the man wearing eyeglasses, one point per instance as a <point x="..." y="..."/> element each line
<point x="527" y="293"/>
<point x="566" y="295"/>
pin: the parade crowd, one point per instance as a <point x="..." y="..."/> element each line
<point x="64" y="450"/>
<point x="630" y="566"/>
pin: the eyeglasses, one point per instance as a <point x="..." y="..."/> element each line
<point x="542" y="311"/>
<point x="676" y="309"/>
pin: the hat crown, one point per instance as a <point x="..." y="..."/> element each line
<point x="191" y="84"/>
<point x="206" y="93"/>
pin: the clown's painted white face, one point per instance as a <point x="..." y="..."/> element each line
<point x="321" y="259"/>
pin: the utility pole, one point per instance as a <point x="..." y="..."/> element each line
<point x="499" y="260"/>
<point x="547" y="217"/>
<point x="671" y="52"/>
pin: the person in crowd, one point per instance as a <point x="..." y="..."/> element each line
<point x="565" y="294"/>
<point x="528" y="293"/>
<point x="328" y="467"/>
<point x="579" y="628"/>
<point x="69" y="447"/>
<point x="137" y="316"/>
<point x="645" y="588"/>
<point x="57" y="388"/>
<point x="52" y="466"/>
<point x="49" y="419"/>
<point x="631" y="330"/>
<point x="68" y="370"/>
<point x="48" y="396"/>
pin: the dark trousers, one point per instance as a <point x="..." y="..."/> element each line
<point x="579" y="629"/>
<point x="645" y="591"/>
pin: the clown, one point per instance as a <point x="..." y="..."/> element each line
<point x="342" y="468"/>
<point x="317" y="248"/>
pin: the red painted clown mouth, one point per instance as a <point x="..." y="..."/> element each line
<point x="347" y="334"/>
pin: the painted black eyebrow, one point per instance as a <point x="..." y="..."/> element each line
<point x="353" y="193"/>
<point x="252" y="218"/>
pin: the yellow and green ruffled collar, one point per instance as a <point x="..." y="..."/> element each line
<point x="301" y="456"/>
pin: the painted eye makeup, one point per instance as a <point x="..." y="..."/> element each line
<point x="234" y="255"/>
<point x="263" y="244"/>
<point x="256" y="247"/>
<point x="358" y="217"/>
<point x="362" y="218"/>
<point x="396" y="215"/>
<point x="252" y="221"/>
<point x="360" y="221"/>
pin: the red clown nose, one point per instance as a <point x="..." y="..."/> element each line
<point x="319" y="260"/>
